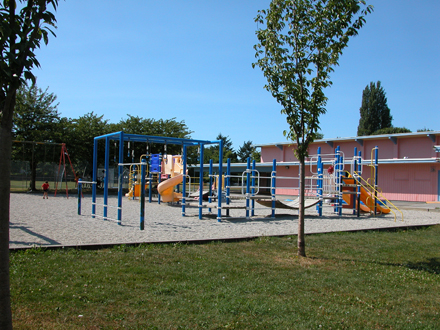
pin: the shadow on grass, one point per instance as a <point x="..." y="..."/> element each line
<point x="431" y="266"/>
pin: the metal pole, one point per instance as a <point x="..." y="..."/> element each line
<point x="359" y="186"/>
<point x="201" y="182"/>
<point x="273" y="186"/>
<point x="159" y="179"/>
<point x="106" y="167"/>
<point x="341" y="160"/>
<point x="228" y="184"/>
<point x="150" y="186"/>
<point x="142" y="197"/>
<point x="253" y="188"/>
<point x="120" y="175"/>
<point x="219" y="186"/>
<point x="248" y="185"/>
<point x="184" y="181"/>
<point x="354" y="197"/>
<point x="376" y="167"/>
<point x="210" y="184"/>
<point x="319" y="191"/>
<point x="95" y="170"/>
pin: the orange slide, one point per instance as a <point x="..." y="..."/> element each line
<point x="166" y="189"/>
<point x="368" y="204"/>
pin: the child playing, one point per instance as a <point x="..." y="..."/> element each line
<point x="45" y="187"/>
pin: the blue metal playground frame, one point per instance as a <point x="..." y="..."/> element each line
<point x="124" y="137"/>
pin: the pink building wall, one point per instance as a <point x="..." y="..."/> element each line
<point x="409" y="182"/>
<point x="407" y="171"/>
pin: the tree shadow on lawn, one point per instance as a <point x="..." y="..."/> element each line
<point x="431" y="265"/>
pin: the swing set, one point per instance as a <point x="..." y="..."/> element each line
<point x="44" y="170"/>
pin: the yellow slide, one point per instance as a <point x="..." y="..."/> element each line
<point x="367" y="200"/>
<point x="368" y="205"/>
<point x="166" y="189"/>
<point x="363" y="207"/>
<point x="137" y="190"/>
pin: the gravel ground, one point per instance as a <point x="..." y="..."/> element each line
<point x="47" y="222"/>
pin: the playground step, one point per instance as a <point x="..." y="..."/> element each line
<point x="349" y="185"/>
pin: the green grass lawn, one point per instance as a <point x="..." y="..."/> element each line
<point x="364" y="280"/>
<point x="23" y="186"/>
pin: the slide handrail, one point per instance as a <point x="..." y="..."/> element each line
<point x="371" y="189"/>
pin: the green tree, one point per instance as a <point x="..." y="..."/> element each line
<point x="21" y="33"/>
<point x="391" y="130"/>
<point x="247" y="150"/>
<point x="79" y="134"/>
<point x="213" y="153"/>
<point x="36" y="119"/>
<point x="162" y="127"/>
<point x="300" y="42"/>
<point x="374" y="111"/>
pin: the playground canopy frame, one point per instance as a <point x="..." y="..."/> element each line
<point x="125" y="137"/>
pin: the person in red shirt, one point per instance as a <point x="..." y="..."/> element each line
<point x="330" y="170"/>
<point x="45" y="187"/>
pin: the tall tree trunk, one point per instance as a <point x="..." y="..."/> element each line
<point x="5" y="185"/>
<point x="301" y="238"/>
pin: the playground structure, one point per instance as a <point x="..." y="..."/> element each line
<point x="177" y="167"/>
<point x="340" y="186"/>
<point x="331" y="183"/>
<point x="346" y="187"/>
<point x="169" y="167"/>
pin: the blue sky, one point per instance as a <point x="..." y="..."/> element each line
<point x="191" y="59"/>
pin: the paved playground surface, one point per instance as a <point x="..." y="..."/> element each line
<point x="35" y="221"/>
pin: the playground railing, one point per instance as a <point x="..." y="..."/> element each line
<point x="325" y="158"/>
<point x="371" y="190"/>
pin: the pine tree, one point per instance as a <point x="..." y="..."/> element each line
<point x="374" y="111"/>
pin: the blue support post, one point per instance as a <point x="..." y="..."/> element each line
<point x="220" y="173"/>
<point x="338" y="170"/>
<point x="142" y="197"/>
<point x="320" y="168"/>
<point x="376" y="167"/>
<point x="248" y="185"/>
<point x="79" y="196"/>
<point x="120" y="175"/>
<point x="201" y="182"/>
<point x="253" y="189"/>
<point x="273" y="186"/>
<point x="210" y="184"/>
<point x="228" y="184"/>
<point x="106" y="167"/>
<point x="359" y="185"/>
<point x="354" y="197"/>
<point x="94" y="175"/>
<point x="150" y="187"/>
<point x="341" y="159"/>
<point x="184" y="180"/>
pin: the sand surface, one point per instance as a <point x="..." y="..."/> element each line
<point x="35" y="221"/>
